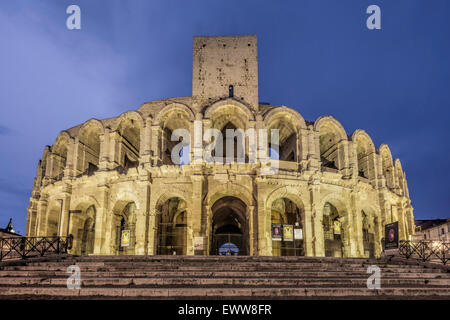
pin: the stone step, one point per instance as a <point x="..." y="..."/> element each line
<point x="204" y="274"/>
<point x="293" y="282"/>
<point x="220" y="293"/>
<point x="221" y="259"/>
<point x="87" y="268"/>
<point x="157" y="265"/>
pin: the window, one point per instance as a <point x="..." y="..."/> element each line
<point x="230" y="91"/>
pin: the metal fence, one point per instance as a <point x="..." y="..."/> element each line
<point x="26" y="247"/>
<point x="425" y="250"/>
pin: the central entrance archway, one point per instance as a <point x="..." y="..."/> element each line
<point x="229" y="227"/>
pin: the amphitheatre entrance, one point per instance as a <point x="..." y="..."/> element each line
<point x="229" y="227"/>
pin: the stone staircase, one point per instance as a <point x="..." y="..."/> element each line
<point x="219" y="277"/>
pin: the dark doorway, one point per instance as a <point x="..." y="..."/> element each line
<point x="229" y="227"/>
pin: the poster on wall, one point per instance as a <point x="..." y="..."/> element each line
<point x="336" y="227"/>
<point x="288" y="232"/>
<point x="391" y="236"/>
<point x="125" y="238"/>
<point x="298" y="234"/>
<point x="276" y="232"/>
<point x="198" y="243"/>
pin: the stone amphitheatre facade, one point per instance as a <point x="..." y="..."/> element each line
<point x="104" y="177"/>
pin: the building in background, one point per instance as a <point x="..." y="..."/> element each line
<point x="9" y="231"/>
<point x="437" y="229"/>
<point x="113" y="185"/>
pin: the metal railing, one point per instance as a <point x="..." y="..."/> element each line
<point x="26" y="247"/>
<point x="425" y="250"/>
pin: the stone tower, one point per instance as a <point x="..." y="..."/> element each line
<point x="226" y="66"/>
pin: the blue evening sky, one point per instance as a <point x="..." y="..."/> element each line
<point x="315" y="56"/>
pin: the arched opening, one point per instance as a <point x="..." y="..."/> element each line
<point x="129" y="143"/>
<point x="233" y="119"/>
<point x="233" y="144"/>
<point x="331" y="151"/>
<point x="229" y="227"/>
<point x="172" y="226"/>
<point x="368" y="229"/>
<point x="123" y="229"/>
<point x="388" y="167"/>
<point x="171" y="121"/>
<point x="287" y="229"/>
<point x="333" y="231"/>
<point x="363" y="152"/>
<point x="88" y="234"/>
<point x="89" y="149"/>
<point x="287" y="136"/>
<point x="59" y="157"/>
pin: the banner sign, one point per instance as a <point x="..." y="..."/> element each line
<point x="391" y="236"/>
<point x="198" y="243"/>
<point x="298" y="234"/>
<point x="276" y="232"/>
<point x="337" y="227"/>
<point x="125" y="238"/>
<point x="288" y="232"/>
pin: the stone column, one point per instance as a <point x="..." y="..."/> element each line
<point x="146" y="143"/>
<point x="102" y="241"/>
<point x="69" y="171"/>
<point x="251" y="230"/>
<point x="318" y="239"/>
<point x="104" y="150"/>
<point x="156" y="136"/>
<point x="195" y="218"/>
<point x="308" y="231"/>
<point x="263" y="221"/>
<point x="151" y="231"/>
<point x="66" y="197"/>
<point x="142" y="217"/>
<point x="42" y="216"/>
<point x="313" y="149"/>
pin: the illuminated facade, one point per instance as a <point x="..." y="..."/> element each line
<point x="332" y="193"/>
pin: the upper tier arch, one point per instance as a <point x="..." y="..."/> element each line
<point x="279" y="112"/>
<point x="332" y="124"/>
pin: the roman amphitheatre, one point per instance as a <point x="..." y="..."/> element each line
<point x="331" y="196"/>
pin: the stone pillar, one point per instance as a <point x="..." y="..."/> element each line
<point x="66" y="197"/>
<point x="146" y="143"/>
<point x="114" y="149"/>
<point x="401" y="223"/>
<point x="139" y="231"/>
<point x="69" y="171"/>
<point x="41" y="217"/>
<point x="156" y="137"/>
<point x="152" y="228"/>
<point x="251" y="230"/>
<point x="104" y="150"/>
<point x="313" y="149"/>
<point x="263" y="221"/>
<point x="355" y="224"/>
<point x="308" y="231"/>
<point x="318" y="239"/>
<point x="102" y="242"/>
<point x="142" y="221"/>
<point x="195" y="219"/>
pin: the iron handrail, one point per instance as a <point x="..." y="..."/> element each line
<point x="25" y="247"/>
<point x="425" y="250"/>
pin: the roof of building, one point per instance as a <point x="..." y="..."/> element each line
<point x="9" y="229"/>
<point x="427" y="224"/>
